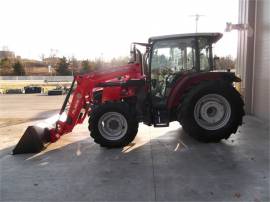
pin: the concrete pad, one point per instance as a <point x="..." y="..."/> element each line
<point x="162" y="164"/>
<point x="236" y="169"/>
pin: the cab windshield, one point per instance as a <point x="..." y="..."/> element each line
<point x="180" y="55"/>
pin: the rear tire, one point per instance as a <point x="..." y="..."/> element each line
<point x="113" y="125"/>
<point x="211" y="111"/>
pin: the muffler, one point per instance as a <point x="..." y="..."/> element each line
<point x="34" y="140"/>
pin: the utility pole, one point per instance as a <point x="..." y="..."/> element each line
<point x="197" y="17"/>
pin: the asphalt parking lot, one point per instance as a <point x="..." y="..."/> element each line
<point x="162" y="164"/>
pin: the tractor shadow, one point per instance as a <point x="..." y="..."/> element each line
<point x="170" y="142"/>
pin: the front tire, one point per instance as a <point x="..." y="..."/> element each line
<point x="113" y="125"/>
<point x="211" y="111"/>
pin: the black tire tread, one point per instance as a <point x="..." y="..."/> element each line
<point x="202" y="134"/>
<point x="120" y="107"/>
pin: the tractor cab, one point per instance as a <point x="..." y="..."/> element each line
<point x="167" y="59"/>
<point x="174" y="55"/>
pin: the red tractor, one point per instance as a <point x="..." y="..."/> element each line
<point x="174" y="80"/>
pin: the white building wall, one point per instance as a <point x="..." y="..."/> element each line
<point x="253" y="59"/>
<point x="261" y="75"/>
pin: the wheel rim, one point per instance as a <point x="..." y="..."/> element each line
<point x="112" y="125"/>
<point x="212" y="112"/>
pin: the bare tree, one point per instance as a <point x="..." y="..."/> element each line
<point x="226" y="62"/>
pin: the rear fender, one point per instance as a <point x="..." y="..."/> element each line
<point x="187" y="81"/>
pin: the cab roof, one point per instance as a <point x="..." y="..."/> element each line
<point x="213" y="37"/>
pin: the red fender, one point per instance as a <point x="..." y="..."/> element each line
<point x="188" y="80"/>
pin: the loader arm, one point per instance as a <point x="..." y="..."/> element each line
<point x="74" y="112"/>
<point x="81" y="98"/>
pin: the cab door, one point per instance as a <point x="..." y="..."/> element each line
<point x="168" y="59"/>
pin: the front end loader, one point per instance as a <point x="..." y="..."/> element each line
<point x="174" y="80"/>
<point x="77" y="105"/>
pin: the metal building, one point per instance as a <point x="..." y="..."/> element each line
<point x="254" y="56"/>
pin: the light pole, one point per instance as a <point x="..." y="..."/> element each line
<point x="197" y="17"/>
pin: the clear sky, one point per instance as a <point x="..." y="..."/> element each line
<point x="94" y="28"/>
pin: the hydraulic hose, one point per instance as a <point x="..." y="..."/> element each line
<point x="67" y="97"/>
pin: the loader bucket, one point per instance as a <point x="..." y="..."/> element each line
<point x="33" y="140"/>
